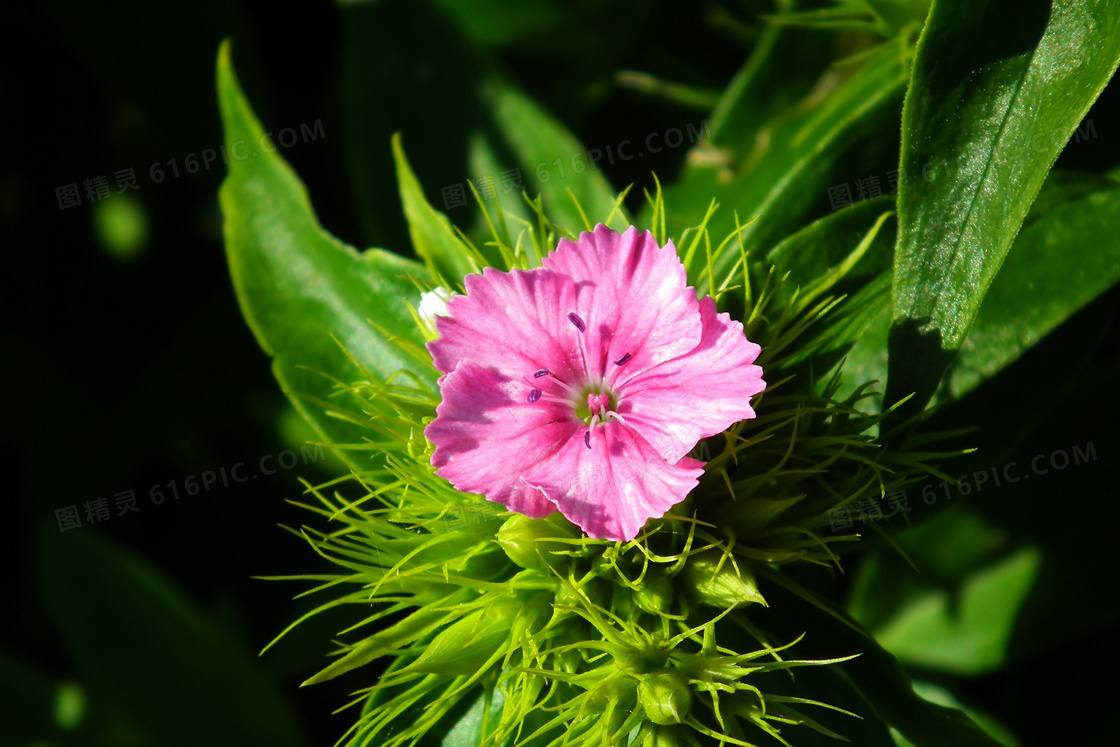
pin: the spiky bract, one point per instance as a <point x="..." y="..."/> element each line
<point x="523" y="631"/>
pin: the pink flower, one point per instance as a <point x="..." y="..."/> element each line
<point x="581" y="386"/>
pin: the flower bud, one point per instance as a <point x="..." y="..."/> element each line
<point x="465" y="645"/>
<point x="733" y="585"/>
<point x="433" y="303"/>
<point x="651" y="735"/>
<point x="613" y="698"/>
<point x="655" y="595"/>
<point x="526" y="541"/>
<point x="665" y="697"/>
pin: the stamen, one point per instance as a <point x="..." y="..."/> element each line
<point x="546" y="397"/>
<point x="615" y="416"/>
<point x="534" y="395"/>
<point x="587" y="438"/>
<point x="571" y="390"/>
<point x="573" y="317"/>
<point x="542" y="372"/>
<point x="622" y="360"/>
<point x="587" y="373"/>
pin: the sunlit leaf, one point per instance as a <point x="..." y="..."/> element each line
<point x="305" y="295"/>
<point x="997" y="90"/>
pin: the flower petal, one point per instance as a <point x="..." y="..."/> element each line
<point x="633" y="296"/>
<point x="699" y="394"/>
<point x="513" y="322"/>
<point x="611" y="489"/>
<point x="487" y="436"/>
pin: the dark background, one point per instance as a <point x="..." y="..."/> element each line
<point x="129" y="369"/>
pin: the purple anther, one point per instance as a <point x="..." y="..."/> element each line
<point x="542" y="372"/>
<point x="587" y="438"/>
<point x="622" y="360"/>
<point x="574" y="319"/>
<point x="534" y="395"/>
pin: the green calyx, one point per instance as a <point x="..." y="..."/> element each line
<point x="717" y="580"/>
<point x="532" y="543"/>
<point x="665" y="697"/>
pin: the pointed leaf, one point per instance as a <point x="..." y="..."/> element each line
<point x="382" y="643"/>
<point x="990" y="724"/>
<point x="468" y="730"/>
<point x="1065" y="257"/>
<point x="782" y="68"/>
<point x="552" y="160"/>
<point x="781" y="183"/>
<point x="997" y="90"/>
<point x="466" y="644"/>
<point x="1059" y="263"/>
<point x="432" y="236"/>
<point x="824" y="245"/>
<point x="298" y="286"/>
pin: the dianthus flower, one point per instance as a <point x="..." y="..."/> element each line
<point x="580" y="387"/>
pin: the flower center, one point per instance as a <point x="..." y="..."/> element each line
<point x="598" y="403"/>
<point x="593" y="402"/>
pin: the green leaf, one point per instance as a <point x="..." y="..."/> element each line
<point x="493" y="22"/>
<point x="782" y="68"/>
<point x="875" y="674"/>
<point x="485" y="163"/>
<point x="997" y="90"/>
<point x="825" y="248"/>
<point x="382" y="643"/>
<point x="778" y="186"/>
<point x="679" y="94"/>
<point x="466" y="644"/>
<point x="551" y="159"/>
<point x="1060" y="262"/>
<point x="143" y="649"/>
<point x="838" y="255"/>
<point x="1064" y="257"/>
<point x="468" y="729"/>
<point x="433" y="238"/>
<point x="958" y="614"/>
<point x="947" y="548"/>
<point x="966" y="633"/>
<point x="900" y="14"/>
<point x="311" y="301"/>
<point x="941" y="696"/>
